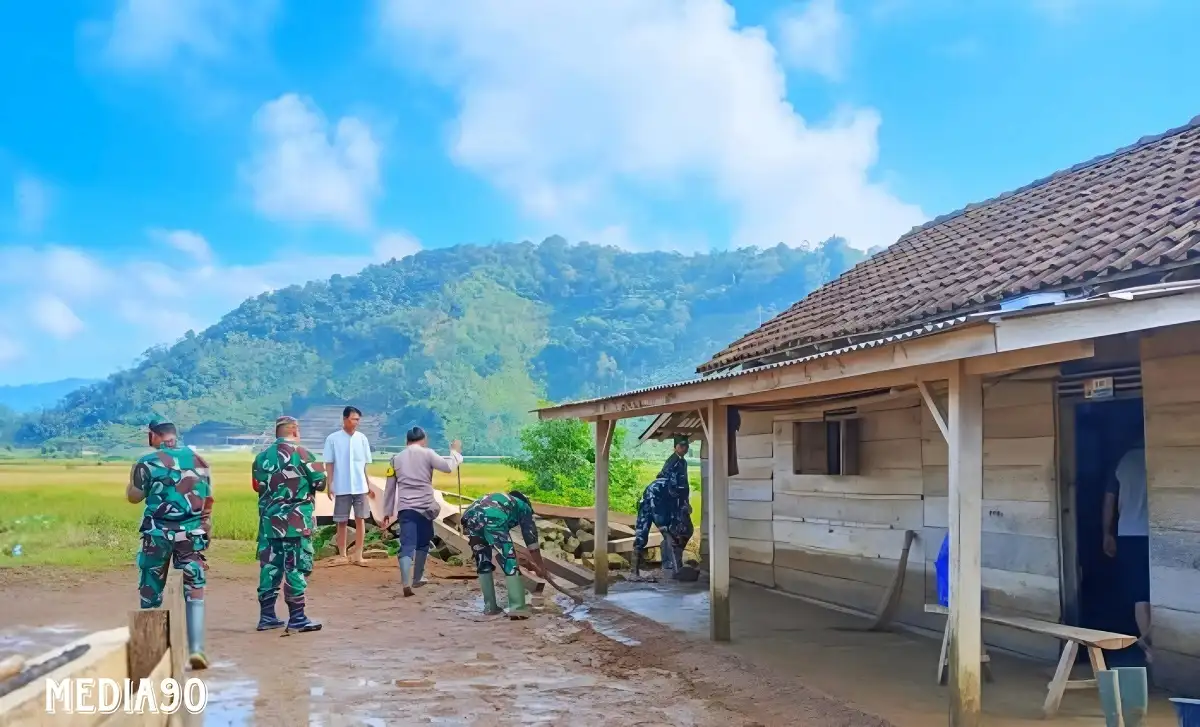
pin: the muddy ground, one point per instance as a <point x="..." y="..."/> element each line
<point x="433" y="659"/>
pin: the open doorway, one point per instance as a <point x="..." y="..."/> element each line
<point x="1104" y="432"/>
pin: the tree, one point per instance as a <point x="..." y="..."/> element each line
<point x="558" y="461"/>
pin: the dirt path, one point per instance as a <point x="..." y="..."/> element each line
<point x="431" y="659"/>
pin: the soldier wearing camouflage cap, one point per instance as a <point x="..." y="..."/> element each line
<point x="287" y="478"/>
<point x="175" y="484"/>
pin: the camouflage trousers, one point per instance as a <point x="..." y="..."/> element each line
<point x="483" y="540"/>
<point x="287" y="562"/>
<point x="156" y="555"/>
<point x="671" y="519"/>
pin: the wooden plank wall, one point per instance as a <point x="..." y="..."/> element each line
<point x="1171" y="397"/>
<point x="751" y="548"/>
<point x="1020" y="525"/>
<point x="839" y="539"/>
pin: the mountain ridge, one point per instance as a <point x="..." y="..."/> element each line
<point x="463" y="341"/>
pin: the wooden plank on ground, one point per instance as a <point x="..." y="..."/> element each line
<point x="583" y="513"/>
<point x="1036" y="519"/>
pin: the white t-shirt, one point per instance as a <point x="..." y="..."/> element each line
<point x="350" y="455"/>
<point x="1133" y="518"/>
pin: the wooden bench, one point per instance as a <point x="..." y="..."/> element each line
<point x="1096" y="642"/>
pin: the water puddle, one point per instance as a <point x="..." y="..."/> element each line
<point x="230" y="703"/>
<point x="31" y="641"/>
<point x="602" y="623"/>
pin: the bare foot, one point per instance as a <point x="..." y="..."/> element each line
<point x="361" y="563"/>
<point x="337" y="560"/>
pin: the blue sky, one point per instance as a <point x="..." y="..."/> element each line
<point x="160" y="160"/>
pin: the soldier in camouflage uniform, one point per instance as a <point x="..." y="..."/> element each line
<point x="665" y="505"/>
<point x="174" y="482"/>
<point x="487" y="523"/>
<point x="286" y="478"/>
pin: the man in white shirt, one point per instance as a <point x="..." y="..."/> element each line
<point x="347" y="454"/>
<point x="1125" y="502"/>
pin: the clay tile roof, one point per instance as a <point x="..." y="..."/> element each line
<point x="1137" y="208"/>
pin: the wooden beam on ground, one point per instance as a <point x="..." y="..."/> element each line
<point x="625" y="545"/>
<point x="966" y="517"/>
<point x="456" y="542"/>
<point x="718" y="521"/>
<point x="604" y="435"/>
<point x="582" y="513"/>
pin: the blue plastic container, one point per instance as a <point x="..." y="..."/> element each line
<point x="942" y="568"/>
<point x="1188" y="711"/>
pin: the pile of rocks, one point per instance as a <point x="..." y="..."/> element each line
<point x="574" y="540"/>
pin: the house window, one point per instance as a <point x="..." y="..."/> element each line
<point x="826" y="447"/>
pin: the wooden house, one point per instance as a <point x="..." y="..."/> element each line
<point x="981" y="377"/>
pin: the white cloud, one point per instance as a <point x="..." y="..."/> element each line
<point x="577" y="108"/>
<point x="190" y="243"/>
<point x="10" y="350"/>
<point x="32" y="198"/>
<point x="302" y="170"/>
<point x="55" y="317"/>
<point x="152" y="33"/>
<point x="61" y="300"/>
<point x="815" y="36"/>
<point x="395" y="246"/>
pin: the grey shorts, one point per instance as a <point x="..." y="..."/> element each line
<point x="342" y="505"/>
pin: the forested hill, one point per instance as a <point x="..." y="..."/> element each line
<point x="463" y="341"/>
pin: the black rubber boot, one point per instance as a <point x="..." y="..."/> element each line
<point x="267" y="619"/>
<point x="297" y="621"/>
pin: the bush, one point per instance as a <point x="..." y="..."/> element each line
<point x="558" y="461"/>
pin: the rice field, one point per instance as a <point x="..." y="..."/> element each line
<point x="74" y="512"/>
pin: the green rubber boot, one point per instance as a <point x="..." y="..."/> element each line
<point x="487" y="584"/>
<point x="516" y="598"/>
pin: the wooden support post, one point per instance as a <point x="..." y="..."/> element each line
<point x="718" y="521"/>
<point x="966" y="519"/>
<point x="174" y="604"/>
<point x="604" y="434"/>
<point x="148" y="642"/>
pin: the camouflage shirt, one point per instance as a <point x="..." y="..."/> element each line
<point x="500" y="512"/>
<point x="178" y="490"/>
<point x="287" y="478"/>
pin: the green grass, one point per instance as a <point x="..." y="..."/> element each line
<point x="74" y="512"/>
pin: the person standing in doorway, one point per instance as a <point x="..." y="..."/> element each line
<point x="1127" y="536"/>
<point x="347" y="454"/>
